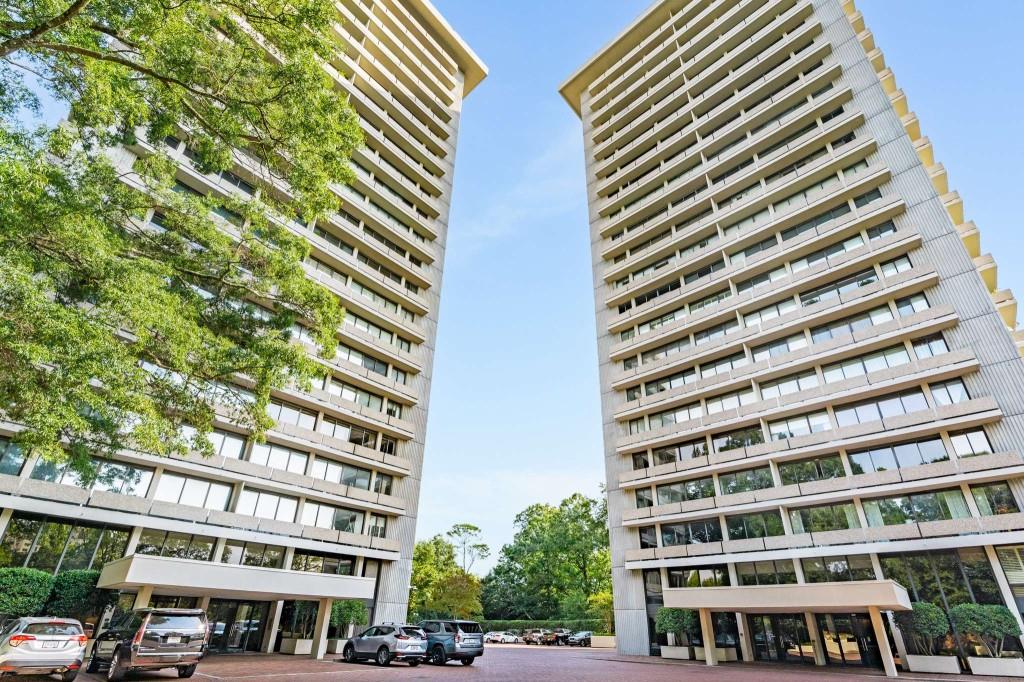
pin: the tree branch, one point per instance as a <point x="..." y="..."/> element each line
<point x="67" y="15"/>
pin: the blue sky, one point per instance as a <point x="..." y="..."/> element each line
<point x="515" y="412"/>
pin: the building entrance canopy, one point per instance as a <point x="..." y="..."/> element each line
<point x="846" y="597"/>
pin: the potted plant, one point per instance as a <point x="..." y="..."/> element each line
<point x="920" y="626"/>
<point x="345" y="615"/>
<point x="988" y="626"/>
<point x="680" y="624"/>
<point x="298" y="638"/>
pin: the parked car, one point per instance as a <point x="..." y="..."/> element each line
<point x="557" y="637"/>
<point x="151" y="639"/>
<point x="581" y="638"/>
<point x="462" y="640"/>
<point x="387" y="642"/>
<point x="535" y="636"/>
<point x="507" y="637"/>
<point x="42" y="646"/>
<point x="492" y="637"/>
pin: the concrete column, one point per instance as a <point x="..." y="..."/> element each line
<point x="707" y="632"/>
<point x="286" y="560"/>
<point x="1004" y="584"/>
<point x="204" y="603"/>
<point x="133" y="541"/>
<point x="273" y="625"/>
<point x="323" y="622"/>
<point x="218" y="550"/>
<point x="143" y="596"/>
<point x="816" y="640"/>
<point x="883" y="642"/>
<point x="5" y="518"/>
<point x="746" y="643"/>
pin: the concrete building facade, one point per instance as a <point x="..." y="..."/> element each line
<point x="810" y="378"/>
<point x="326" y="509"/>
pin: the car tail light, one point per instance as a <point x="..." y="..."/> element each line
<point x="18" y="640"/>
<point x="402" y="637"/>
<point x="137" y="639"/>
<point x="81" y="639"/>
<point x="458" y="637"/>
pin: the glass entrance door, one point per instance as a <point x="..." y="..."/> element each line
<point x="236" y="626"/>
<point x="849" y="639"/>
<point x="781" y="637"/>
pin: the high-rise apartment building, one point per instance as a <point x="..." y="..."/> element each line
<point x="326" y="509"/>
<point x="811" y="383"/>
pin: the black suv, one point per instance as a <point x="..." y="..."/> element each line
<point x="151" y="639"/>
<point x="462" y="640"/>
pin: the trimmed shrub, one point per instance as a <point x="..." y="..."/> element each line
<point x="922" y="624"/>
<point x="990" y="623"/>
<point x="23" y="591"/>
<point x="75" y="595"/>
<point x="349" y="612"/>
<point x="676" y="621"/>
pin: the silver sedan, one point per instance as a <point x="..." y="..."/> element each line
<point x="42" y="646"/>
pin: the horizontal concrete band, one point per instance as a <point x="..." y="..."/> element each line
<point x="886" y="595"/>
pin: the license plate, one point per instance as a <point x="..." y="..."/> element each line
<point x="173" y="640"/>
<point x="51" y="645"/>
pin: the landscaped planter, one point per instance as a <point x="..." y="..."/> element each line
<point x="727" y="654"/>
<point x="336" y="646"/>
<point x="602" y="641"/>
<point x="679" y="652"/>
<point x="1007" y="667"/>
<point x="933" y="664"/>
<point x="297" y="647"/>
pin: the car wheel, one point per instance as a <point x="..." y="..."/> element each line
<point x="68" y="675"/>
<point x="116" y="671"/>
<point x="383" y="656"/>
<point x="467" y="661"/>
<point x="94" y="665"/>
<point x="413" y="662"/>
<point x="437" y="656"/>
<point x="187" y="670"/>
<point x="349" y="654"/>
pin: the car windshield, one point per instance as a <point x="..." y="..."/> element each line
<point x="66" y="629"/>
<point x="470" y="628"/>
<point x="166" y="621"/>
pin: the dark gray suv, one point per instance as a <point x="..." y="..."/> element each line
<point x="462" y="640"/>
<point x="151" y="639"/>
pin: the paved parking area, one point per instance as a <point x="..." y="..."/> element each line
<point x="516" y="663"/>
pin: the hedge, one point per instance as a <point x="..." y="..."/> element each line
<point x="75" y="595"/>
<point x="23" y="591"/>
<point x="591" y="624"/>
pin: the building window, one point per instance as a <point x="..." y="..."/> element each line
<point x="935" y="505"/>
<point x="778" y="572"/>
<point x="794" y="383"/>
<point x="779" y="347"/>
<point x="893" y="356"/>
<point x="317" y="562"/>
<point x="648" y="537"/>
<point x="909" y="305"/>
<point x="378" y="526"/>
<point x="252" y="554"/>
<point x="759" y="525"/>
<point x="682" y="491"/>
<point x="114" y="477"/>
<point x="53" y="544"/>
<point x="949" y="392"/>
<point x="338" y="472"/>
<point x="800" y="425"/>
<point x="835" y="569"/>
<point x="812" y="469"/>
<point x="930" y="346"/>
<point x="994" y="498"/>
<point x="888" y="458"/>
<point x="745" y="480"/>
<point x="640" y="461"/>
<point x="690" y="532"/>
<point x="970" y="443"/>
<point x="881" y="408"/>
<point x="729" y="401"/>
<point x="177" y="545"/>
<point x="840" y="516"/>
<point x="195" y="492"/>
<point x="383" y="483"/>
<point x="264" y="505"/>
<point x="644" y="498"/>
<point x="741" y="438"/>
<point x="292" y="415"/>
<point x="849" y="325"/>
<point x="12" y="459"/>
<point x="698" y="576"/>
<point x="680" y="452"/>
<point x="335" y="518"/>
<point x="945" y="577"/>
<point x="279" y="457"/>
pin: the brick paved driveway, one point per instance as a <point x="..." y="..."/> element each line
<point x="509" y="663"/>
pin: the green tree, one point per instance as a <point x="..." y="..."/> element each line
<point x="75" y="595"/>
<point x="432" y="561"/>
<point x="602" y="607"/>
<point x="468" y="544"/>
<point x="683" y="623"/>
<point x="989" y="623"/>
<point x="456" y="595"/>
<point x="348" y="612"/>
<point x="23" y="591"/>
<point x="922" y="624"/>
<point x="89" y="291"/>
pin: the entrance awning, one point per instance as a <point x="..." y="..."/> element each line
<point x="845" y="597"/>
<point x="191" y="578"/>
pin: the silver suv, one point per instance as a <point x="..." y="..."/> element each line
<point x="387" y="642"/>
<point x="42" y="646"/>
<point x="151" y="639"/>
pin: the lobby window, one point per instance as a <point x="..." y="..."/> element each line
<point x="840" y="516"/>
<point x="114" y="477"/>
<point x="970" y="443"/>
<point x="759" y="525"/>
<point x="12" y="459"/>
<point x="279" y="457"/>
<point x="945" y="577"/>
<point x="648" y="537"/>
<point x="690" y="532"/>
<point x="252" y="554"/>
<point x="644" y="498"/>
<point x="176" y="545"/>
<point x="881" y="408"/>
<point x="778" y="572"/>
<point x="894" y="356"/>
<point x="851" y="324"/>
<point x="779" y="347"/>
<point x="357" y="435"/>
<point x="682" y="491"/>
<point x="698" y="576"/>
<point x="930" y="346"/>
<point x="741" y="438"/>
<point x="935" y="505"/>
<point x="745" y="480"/>
<point x="680" y="452"/>
<point x="994" y="498"/>
<point x="292" y="415"/>
<point x="887" y="458"/>
<point x="811" y="469"/>
<point x="383" y="484"/>
<point x="318" y="562"/>
<point x="949" y="392"/>
<point x="800" y="425"/>
<point x="335" y="518"/>
<point x="836" y="569"/>
<point x="338" y="472"/>
<point x="788" y="385"/>
<point x="264" y="505"/>
<point x="195" y="492"/>
<point x="53" y="544"/>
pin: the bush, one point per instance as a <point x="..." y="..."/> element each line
<point x="75" y="595"/>
<point x="23" y="591"/>
<point x="594" y="625"/>
<point x="922" y="625"/>
<point x="990" y="623"/>
<point x="676" y="621"/>
<point x="349" y="612"/>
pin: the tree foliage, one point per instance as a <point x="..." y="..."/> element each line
<point x="680" y="622"/>
<point x="922" y="624"/>
<point x="23" y="591"/>
<point x="989" y="623"/>
<point x="468" y="544"/>
<point x="115" y="332"/>
<point x="75" y="595"/>
<point x="456" y="595"/>
<point x="556" y="562"/>
<point x="440" y="587"/>
<point x="349" y="612"/>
